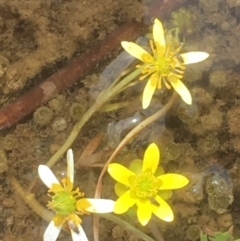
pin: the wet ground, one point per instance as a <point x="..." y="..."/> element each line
<point x="200" y="141"/>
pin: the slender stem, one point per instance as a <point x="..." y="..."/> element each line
<point x="125" y="140"/>
<point x="127" y="226"/>
<point x="154" y="230"/>
<point x="133" y="133"/>
<point x="29" y="198"/>
<point x="103" y="99"/>
<point x="114" y="83"/>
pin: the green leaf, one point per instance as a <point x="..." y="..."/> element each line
<point x="218" y="236"/>
<point x="203" y="237"/>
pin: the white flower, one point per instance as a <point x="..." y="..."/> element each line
<point x="164" y="65"/>
<point x="68" y="204"/>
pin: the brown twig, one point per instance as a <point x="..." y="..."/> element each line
<point x="27" y="103"/>
<point x="91" y="147"/>
<point x="24" y="105"/>
<point x="89" y="157"/>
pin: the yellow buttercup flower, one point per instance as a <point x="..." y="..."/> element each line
<point x="145" y="185"/>
<point x="165" y="64"/>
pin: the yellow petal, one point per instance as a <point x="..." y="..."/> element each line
<point x="59" y="219"/>
<point x="136" y="51"/>
<point x="151" y="158"/>
<point x="163" y="211"/>
<point x="73" y="219"/>
<point x="181" y="89"/>
<point x="56" y="188"/>
<point x="158" y="36"/>
<point x="124" y="202"/>
<point x="149" y="90"/>
<point x="165" y="194"/>
<point x="144" y="212"/>
<point x="120" y="189"/>
<point x="136" y="166"/>
<point x="159" y="171"/>
<point x="194" y="57"/>
<point x="83" y="205"/>
<point x="120" y="173"/>
<point x="172" y="181"/>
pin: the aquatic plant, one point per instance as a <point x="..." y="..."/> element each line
<point x="43" y="115"/>
<point x="145" y="185"/>
<point x="76" y="111"/>
<point x="184" y="20"/>
<point x="171" y="151"/>
<point x="69" y="204"/>
<point x="166" y="64"/>
<point x="218" y="236"/>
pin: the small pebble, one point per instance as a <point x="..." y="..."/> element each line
<point x="59" y="124"/>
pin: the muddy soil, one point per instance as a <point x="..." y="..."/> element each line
<point x="200" y="141"/>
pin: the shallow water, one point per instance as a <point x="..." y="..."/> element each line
<point x="200" y="141"/>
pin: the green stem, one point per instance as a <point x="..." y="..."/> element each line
<point x="103" y="98"/>
<point x="126" y="225"/>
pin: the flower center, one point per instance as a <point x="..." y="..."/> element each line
<point x="63" y="203"/>
<point x="145" y="185"/>
<point x="163" y="65"/>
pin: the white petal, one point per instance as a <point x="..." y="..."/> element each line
<point x="52" y="232"/>
<point x="101" y="205"/>
<point x="158" y="34"/>
<point x="135" y="50"/>
<point x="182" y="90"/>
<point x="149" y="89"/>
<point x="79" y="236"/>
<point x="47" y="176"/>
<point x="70" y="165"/>
<point x="194" y="57"/>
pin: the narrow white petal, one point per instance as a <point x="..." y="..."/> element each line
<point x="158" y="34"/>
<point x="47" y="176"/>
<point x="194" y="57"/>
<point x="101" y="205"/>
<point x="135" y="50"/>
<point x="149" y="89"/>
<point x="80" y="235"/>
<point x="70" y="165"/>
<point x="182" y="90"/>
<point x="52" y="232"/>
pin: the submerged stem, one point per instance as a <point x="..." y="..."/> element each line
<point x="154" y="230"/>
<point x="133" y="133"/>
<point x="29" y="198"/>
<point x="127" y="226"/>
<point x="125" y="140"/>
<point x="103" y="98"/>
